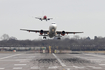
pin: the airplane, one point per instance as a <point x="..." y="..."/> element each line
<point x="51" y="32"/>
<point x="44" y="18"/>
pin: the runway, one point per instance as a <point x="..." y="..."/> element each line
<point x="40" y="61"/>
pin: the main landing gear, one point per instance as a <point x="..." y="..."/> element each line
<point x="44" y="37"/>
<point x="59" y="38"/>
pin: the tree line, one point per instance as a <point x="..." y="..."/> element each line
<point x="75" y="44"/>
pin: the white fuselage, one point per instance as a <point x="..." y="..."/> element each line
<point x="52" y="30"/>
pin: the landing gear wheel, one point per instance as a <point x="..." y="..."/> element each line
<point x="59" y="38"/>
<point x="44" y="37"/>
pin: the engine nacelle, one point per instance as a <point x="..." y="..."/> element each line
<point x="63" y="33"/>
<point x="48" y="19"/>
<point x="41" y="19"/>
<point x="41" y="32"/>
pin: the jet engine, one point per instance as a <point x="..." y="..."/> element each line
<point x="48" y="19"/>
<point x="63" y="33"/>
<point x="41" y="32"/>
<point x="41" y="19"/>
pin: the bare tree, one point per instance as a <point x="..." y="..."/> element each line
<point x="76" y="37"/>
<point x="5" y="37"/>
<point x="12" y="38"/>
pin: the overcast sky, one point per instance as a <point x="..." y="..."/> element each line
<point x="69" y="15"/>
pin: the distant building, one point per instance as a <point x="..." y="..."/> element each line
<point x="88" y="38"/>
<point x="95" y="37"/>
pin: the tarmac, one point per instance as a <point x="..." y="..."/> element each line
<point x="45" y="61"/>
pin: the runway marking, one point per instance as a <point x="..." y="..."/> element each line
<point x="2" y="68"/>
<point x="58" y="60"/>
<point x="8" y="60"/>
<point x="20" y="64"/>
<point x="23" y="60"/>
<point x="91" y="59"/>
<point x="95" y="67"/>
<point x="17" y="68"/>
<point x="35" y="67"/>
<point x="78" y="67"/>
<point x="101" y="64"/>
<point x="53" y="67"/>
<point x="68" y="68"/>
<point x="10" y="56"/>
<point x="95" y="55"/>
<point x="90" y="66"/>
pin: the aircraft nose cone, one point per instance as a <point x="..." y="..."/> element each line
<point x="45" y="17"/>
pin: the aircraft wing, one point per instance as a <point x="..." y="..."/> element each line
<point x="37" y="18"/>
<point x="44" y="31"/>
<point x="49" y="18"/>
<point x="59" y="32"/>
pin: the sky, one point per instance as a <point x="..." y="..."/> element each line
<point x="69" y="15"/>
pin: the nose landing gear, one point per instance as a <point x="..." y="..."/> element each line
<point x="59" y="37"/>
